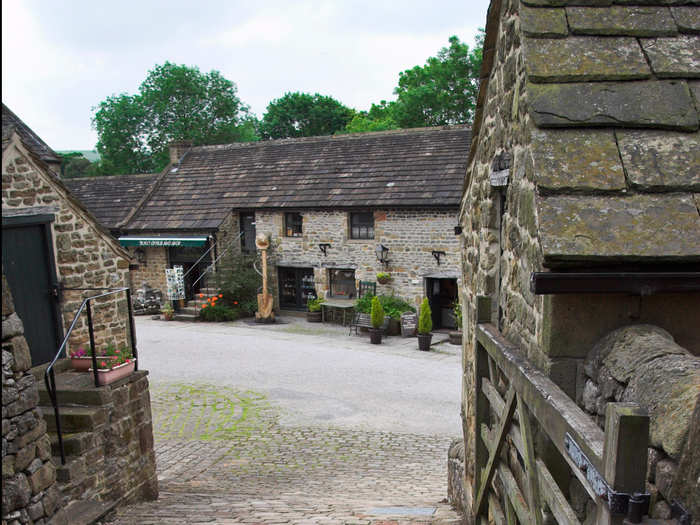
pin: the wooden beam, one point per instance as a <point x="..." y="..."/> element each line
<point x="503" y="425"/>
<point x="528" y="455"/>
<point x="555" y="411"/>
<point x="554" y="498"/>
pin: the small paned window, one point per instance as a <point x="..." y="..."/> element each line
<point x="292" y="224"/>
<point x="362" y="225"/>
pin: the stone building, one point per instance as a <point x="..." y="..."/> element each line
<point x="327" y="203"/>
<point x="54" y="254"/>
<point x="580" y="210"/>
<point x="49" y="234"/>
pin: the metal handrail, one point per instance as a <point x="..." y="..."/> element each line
<point x="230" y="244"/>
<point x="49" y="374"/>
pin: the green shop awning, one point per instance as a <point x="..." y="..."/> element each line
<point x="163" y="241"/>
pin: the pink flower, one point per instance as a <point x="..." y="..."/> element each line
<point x="103" y="364"/>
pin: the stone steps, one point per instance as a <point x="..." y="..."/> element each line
<point x="74" y="419"/>
<point x="83" y="512"/>
<point x="186" y="317"/>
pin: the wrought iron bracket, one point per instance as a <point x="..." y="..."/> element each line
<point x="618" y="502"/>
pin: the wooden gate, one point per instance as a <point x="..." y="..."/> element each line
<point x="513" y="482"/>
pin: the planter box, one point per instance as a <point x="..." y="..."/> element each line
<point x="424" y="342"/>
<point x="105" y="377"/>
<point x="314" y="317"/>
<point x="83" y="364"/>
<point x="455" y="338"/>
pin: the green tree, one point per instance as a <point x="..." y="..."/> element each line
<point x="304" y="115"/>
<point x="443" y="91"/>
<point x="376" y="313"/>
<point x="175" y="102"/>
<point x="378" y="118"/>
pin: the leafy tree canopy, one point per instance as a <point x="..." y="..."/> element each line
<point x="175" y="102"/>
<point x="304" y="115"/>
<point x="444" y="90"/>
<point x="441" y="92"/>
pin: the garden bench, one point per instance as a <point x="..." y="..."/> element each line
<point x="361" y="320"/>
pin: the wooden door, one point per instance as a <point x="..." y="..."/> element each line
<point x="28" y="263"/>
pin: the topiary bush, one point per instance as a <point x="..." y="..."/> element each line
<point x="425" y="318"/>
<point x="377" y="313"/>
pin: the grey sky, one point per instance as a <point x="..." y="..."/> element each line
<point x="60" y="59"/>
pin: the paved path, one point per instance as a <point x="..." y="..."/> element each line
<point x="296" y="423"/>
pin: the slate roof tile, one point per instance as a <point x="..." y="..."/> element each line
<point x="677" y="57"/>
<point x="12" y="123"/>
<point x="619" y="21"/>
<point x="615" y="158"/>
<point x="407" y="168"/>
<point x="576" y="59"/>
<point x="110" y="199"/>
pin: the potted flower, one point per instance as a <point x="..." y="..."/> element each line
<point x="383" y="277"/>
<point x="425" y="325"/>
<point x="314" y="307"/>
<point x="377" y="319"/>
<point x="167" y="311"/>
<point x="111" y="370"/>
<point x="81" y="359"/>
<point x="456" y="335"/>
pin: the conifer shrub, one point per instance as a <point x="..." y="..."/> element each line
<point x="377" y="313"/>
<point x="425" y="318"/>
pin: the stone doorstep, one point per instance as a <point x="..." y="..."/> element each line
<point x="83" y="512"/>
<point x="185" y="317"/>
<point x="74" y="418"/>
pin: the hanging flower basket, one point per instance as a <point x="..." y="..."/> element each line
<point x="105" y="376"/>
<point x="383" y="277"/>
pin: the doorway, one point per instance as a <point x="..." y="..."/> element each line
<point x="187" y="257"/>
<point x="442" y="294"/>
<point x="296" y="287"/>
<point x="28" y="262"/>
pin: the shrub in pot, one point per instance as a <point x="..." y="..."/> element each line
<point x="377" y="317"/>
<point x="314" y="310"/>
<point x="167" y="311"/>
<point x="425" y="325"/>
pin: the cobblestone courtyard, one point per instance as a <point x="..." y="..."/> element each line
<point x="228" y="455"/>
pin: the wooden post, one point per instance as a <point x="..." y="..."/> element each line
<point x="624" y="454"/>
<point x="264" y="272"/>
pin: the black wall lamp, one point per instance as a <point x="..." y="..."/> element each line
<point x="437" y="254"/>
<point x="382" y="254"/>
<point x="140" y="255"/>
<point x="323" y="247"/>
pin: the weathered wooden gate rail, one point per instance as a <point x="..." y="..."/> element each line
<point x="611" y="466"/>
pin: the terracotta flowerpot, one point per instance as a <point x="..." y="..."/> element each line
<point x="456" y="338"/>
<point x="424" y="342"/>
<point x="83" y="364"/>
<point x="105" y="377"/>
<point x="168" y="316"/>
<point x="375" y="336"/>
<point x="313" y="317"/>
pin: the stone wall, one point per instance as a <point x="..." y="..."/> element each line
<point x="86" y="255"/>
<point x="644" y="365"/>
<point x="152" y="271"/>
<point x="29" y="490"/>
<point x="117" y="460"/>
<point x="410" y="235"/>
<point x="499" y="243"/>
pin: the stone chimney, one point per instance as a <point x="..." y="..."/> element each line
<point x="177" y="149"/>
